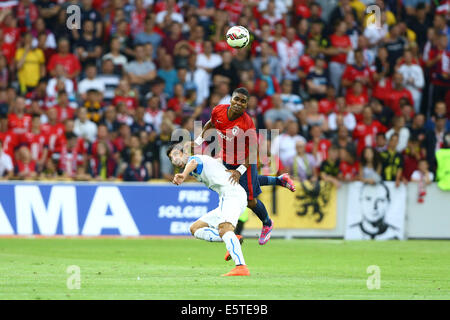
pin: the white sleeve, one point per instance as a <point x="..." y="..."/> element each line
<point x="419" y="80"/>
<point x="8" y="163"/>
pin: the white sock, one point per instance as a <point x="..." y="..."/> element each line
<point x="208" y="234"/>
<point x="234" y="247"/>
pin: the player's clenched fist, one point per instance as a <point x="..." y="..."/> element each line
<point x="235" y="176"/>
<point x="178" y="179"/>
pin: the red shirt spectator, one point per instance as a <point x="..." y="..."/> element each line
<point x="9" y="143"/>
<point x="68" y="60"/>
<point x="397" y="92"/>
<point x="366" y="130"/>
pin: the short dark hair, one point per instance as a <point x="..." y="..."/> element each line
<point x="243" y="91"/>
<point x="171" y="147"/>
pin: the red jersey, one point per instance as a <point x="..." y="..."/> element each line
<point x="36" y="142"/>
<point x="19" y="125"/>
<point x="9" y="142"/>
<point x="26" y="168"/>
<point x="366" y="134"/>
<point x="55" y="133"/>
<point x="349" y="171"/>
<point x="353" y="72"/>
<point x="233" y="136"/>
<point x="11" y="37"/>
<point x="393" y="99"/>
<point x="130" y="102"/>
<point x="340" y="42"/>
<point x="64" y="113"/>
<point x="322" y="150"/>
<point x="69" y="61"/>
<point x="327" y="106"/>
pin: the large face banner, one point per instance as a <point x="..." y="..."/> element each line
<point x="375" y="211"/>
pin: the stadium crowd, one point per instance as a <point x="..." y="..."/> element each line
<point x="353" y="97"/>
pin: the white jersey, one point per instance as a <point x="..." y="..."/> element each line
<point x="232" y="197"/>
<point x="213" y="174"/>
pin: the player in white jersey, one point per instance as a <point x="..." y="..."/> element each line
<point x="217" y="225"/>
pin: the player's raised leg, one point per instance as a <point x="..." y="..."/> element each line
<point x="201" y="230"/>
<point x="283" y="180"/>
<point x="226" y="231"/>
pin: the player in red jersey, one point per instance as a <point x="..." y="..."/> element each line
<point x="238" y="143"/>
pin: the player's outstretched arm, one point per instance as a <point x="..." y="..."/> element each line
<point x="180" y="177"/>
<point x="208" y="125"/>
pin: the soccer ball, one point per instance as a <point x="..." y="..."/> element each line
<point x="238" y="37"/>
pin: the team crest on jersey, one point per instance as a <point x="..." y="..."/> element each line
<point x="235" y="131"/>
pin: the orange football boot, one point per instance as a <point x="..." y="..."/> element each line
<point x="240" y="270"/>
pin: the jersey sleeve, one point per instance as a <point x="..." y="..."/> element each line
<point x="199" y="168"/>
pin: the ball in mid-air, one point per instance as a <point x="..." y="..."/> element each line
<point x="238" y="37"/>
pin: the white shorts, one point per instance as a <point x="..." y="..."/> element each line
<point x="229" y="210"/>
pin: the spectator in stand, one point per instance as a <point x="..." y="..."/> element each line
<point x="291" y="101"/>
<point x="413" y="78"/>
<point x="438" y="62"/>
<point x="392" y="162"/>
<point x="283" y="145"/>
<point x="110" y="80"/>
<point x="340" y="46"/>
<point x="313" y="117"/>
<point x="30" y="64"/>
<point x="358" y="71"/>
<point x="19" y="122"/>
<point x="440" y="110"/>
<point x="318" y="145"/>
<point x="115" y="54"/>
<point x="366" y="130"/>
<point x="397" y="92"/>
<point x="329" y="169"/>
<point x="327" y="105"/>
<point x="413" y="153"/>
<point x="267" y="56"/>
<point x="272" y="82"/>
<point x="290" y="50"/>
<point x="422" y="174"/>
<point x="277" y="112"/>
<point x="370" y="166"/>
<point x="88" y="46"/>
<point x="149" y="35"/>
<point x="348" y="166"/>
<point x="342" y="116"/>
<point x="59" y="82"/>
<point x="102" y="166"/>
<point x="63" y="109"/>
<point x="6" y="164"/>
<point x="395" y="45"/>
<point x="226" y="71"/>
<point x="400" y="129"/>
<point x="92" y="81"/>
<point x="139" y="72"/>
<point x="435" y="140"/>
<point x="68" y="60"/>
<point x="25" y="167"/>
<point x="356" y="99"/>
<point x="84" y="127"/>
<point x="318" y="79"/>
<point x="72" y="159"/>
<point x="304" y="166"/>
<point x="343" y="139"/>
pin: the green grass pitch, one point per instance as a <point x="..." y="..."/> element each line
<point x="190" y="269"/>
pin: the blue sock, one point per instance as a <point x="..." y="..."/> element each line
<point x="261" y="211"/>
<point x="268" y="181"/>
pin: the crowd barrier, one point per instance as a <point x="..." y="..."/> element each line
<point x="163" y="209"/>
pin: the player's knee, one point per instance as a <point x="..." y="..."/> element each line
<point x="251" y="203"/>
<point x="193" y="228"/>
<point x="224" y="228"/>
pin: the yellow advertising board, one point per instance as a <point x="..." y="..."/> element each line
<point x="306" y="208"/>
